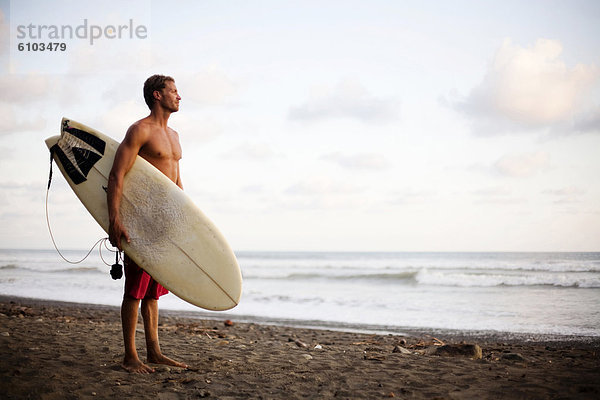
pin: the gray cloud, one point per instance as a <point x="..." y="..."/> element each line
<point x="521" y="165"/>
<point x="412" y="196"/>
<point x="321" y="186"/>
<point x="361" y="161"/>
<point x="565" y="195"/>
<point x="20" y="198"/>
<point x="348" y="99"/>
<point x="210" y="86"/>
<point x="499" y="195"/>
<point x="585" y="122"/>
<point x="4" y="34"/>
<point x="252" y="151"/>
<point x="9" y="123"/>
<point x="21" y="89"/>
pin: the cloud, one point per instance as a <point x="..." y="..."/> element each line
<point x="17" y="88"/>
<point x="194" y="129"/>
<point x="499" y="195"/>
<point x="585" y="122"/>
<point x="9" y="123"/>
<point x="31" y="88"/>
<point x="20" y="198"/>
<point x="514" y="165"/>
<point x="521" y="165"/>
<point x="321" y="186"/>
<point x="348" y="99"/>
<point x="109" y="57"/>
<point x="122" y="88"/>
<point x="23" y="96"/>
<point x="412" y="196"/>
<point x="530" y="88"/>
<point x="566" y="195"/>
<point x="493" y="191"/>
<point x="7" y="155"/>
<point x="252" y="151"/>
<point x="119" y="118"/>
<point x="253" y="189"/>
<point x="361" y="161"/>
<point x="323" y="193"/>
<point x="210" y="86"/>
<point x="4" y="34"/>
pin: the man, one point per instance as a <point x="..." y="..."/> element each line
<point x="153" y="140"/>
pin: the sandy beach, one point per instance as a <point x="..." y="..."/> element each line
<point x="53" y="350"/>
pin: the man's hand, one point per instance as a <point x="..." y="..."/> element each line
<point x="116" y="231"/>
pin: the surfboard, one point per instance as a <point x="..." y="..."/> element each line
<point x="171" y="238"/>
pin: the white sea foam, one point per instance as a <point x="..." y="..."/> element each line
<point x="502" y="278"/>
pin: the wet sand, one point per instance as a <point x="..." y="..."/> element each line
<point x="53" y="350"/>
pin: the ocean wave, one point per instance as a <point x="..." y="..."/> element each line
<point x="366" y="267"/>
<point x="277" y="298"/>
<point x="301" y="276"/>
<point x="77" y="269"/>
<point x="576" y="280"/>
<point x="438" y="277"/>
<point x="545" y="267"/>
<point x="391" y="269"/>
<point x="377" y="276"/>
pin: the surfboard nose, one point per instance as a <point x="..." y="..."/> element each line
<point x="51" y="141"/>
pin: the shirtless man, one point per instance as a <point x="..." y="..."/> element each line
<point x="153" y="140"/>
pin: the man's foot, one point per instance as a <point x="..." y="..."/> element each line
<point x="137" y="367"/>
<point x="160" y="359"/>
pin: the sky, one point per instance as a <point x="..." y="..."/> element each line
<point x="323" y="125"/>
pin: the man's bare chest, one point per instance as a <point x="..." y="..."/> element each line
<point x="165" y="146"/>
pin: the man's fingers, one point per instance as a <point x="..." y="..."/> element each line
<point x="116" y="234"/>
<point x="115" y="242"/>
<point x="126" y="236"/>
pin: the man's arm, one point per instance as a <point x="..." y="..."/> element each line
<point x="127" y="152"/>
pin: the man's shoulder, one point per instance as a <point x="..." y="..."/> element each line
<point x="142" y="124"/>
<point x="139" y="129"/>
<point x="146" y="128"/>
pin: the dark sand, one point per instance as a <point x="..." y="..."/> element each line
<point x="52" y="350"/>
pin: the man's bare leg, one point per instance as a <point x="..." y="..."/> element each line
<point x="129" y="316"/>
<point x="150" y="317"/>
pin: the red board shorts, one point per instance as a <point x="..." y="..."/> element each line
<point x="140" y="285"/>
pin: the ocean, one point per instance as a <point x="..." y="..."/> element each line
<point x="538" y="293"/>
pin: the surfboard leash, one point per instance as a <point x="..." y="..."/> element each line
<point x="116" y="271"/>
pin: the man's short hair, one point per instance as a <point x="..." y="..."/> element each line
<point x="155" y="82"/>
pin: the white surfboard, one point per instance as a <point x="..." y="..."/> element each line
<point x="171" y="238"/>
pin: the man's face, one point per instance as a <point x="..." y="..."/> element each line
<point x="169" y="98"/>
